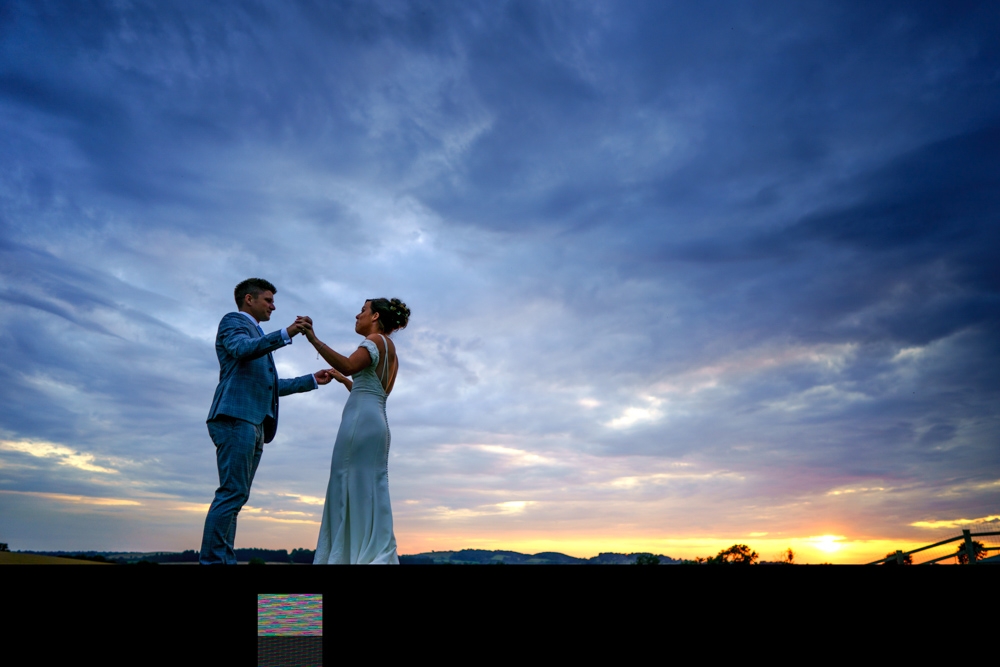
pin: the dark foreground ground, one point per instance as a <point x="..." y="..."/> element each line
<point x="203" y="616"/>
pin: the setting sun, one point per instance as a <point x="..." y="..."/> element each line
<point x="828" y="543"/>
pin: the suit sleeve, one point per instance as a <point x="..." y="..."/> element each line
<point x="296" y="385"/>
<point x="240" y="344"/>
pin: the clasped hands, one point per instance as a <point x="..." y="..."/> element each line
<point x="303" y="325"/>
<point x="327" y="374"/>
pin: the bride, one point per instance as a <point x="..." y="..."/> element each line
<point x="357" y="518"/>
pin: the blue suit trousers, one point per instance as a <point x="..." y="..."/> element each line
<point x="238" y="446"/>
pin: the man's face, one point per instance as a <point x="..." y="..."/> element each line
<point x="261" y="307"/>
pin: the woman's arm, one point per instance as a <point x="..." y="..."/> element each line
<point x="359" y="360"/>
<point x="342" y="379"/>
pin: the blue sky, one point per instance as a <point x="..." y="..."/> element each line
<point x="680" y="275"/>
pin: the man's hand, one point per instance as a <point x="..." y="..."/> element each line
<point x="308" y="331"/>
<point x="301" y="325"/>
<point x="324" y="376"/>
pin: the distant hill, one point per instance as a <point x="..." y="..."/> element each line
<point x="461" y="557"/>
<point x="122" y="557"/>
<point x="189" y="556"/>
<point x="484" y="557"/>
<point x="18" y="558"/>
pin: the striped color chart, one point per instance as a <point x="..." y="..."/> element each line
<point x="293" y="615"/>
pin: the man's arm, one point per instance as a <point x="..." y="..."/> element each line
<point x="304" y="383"/>
<point x="234" y="334"/>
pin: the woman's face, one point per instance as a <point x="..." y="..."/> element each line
<point x="363" y="320"/>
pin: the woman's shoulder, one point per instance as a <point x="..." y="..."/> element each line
<point x="382" y="341"/>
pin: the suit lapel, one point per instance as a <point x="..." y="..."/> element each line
<point x="270" y="358"/>
<point x="257" y="330"/>
<point x="274" y="370"/>
<point x="257" y="334"/>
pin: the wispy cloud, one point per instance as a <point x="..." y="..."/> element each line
<point x="76" y="500"/>
<point x="61" y="454"/>
<point x="670" y="276"/>
<point x="956" y="523"/>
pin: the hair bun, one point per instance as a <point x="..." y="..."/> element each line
<point x="392" y="313"/>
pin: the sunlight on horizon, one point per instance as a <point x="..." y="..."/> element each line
<point x="828" y="543"/>
<point x="808" y="549"/>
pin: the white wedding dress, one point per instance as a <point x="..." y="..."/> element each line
<point x="357" y="518"/>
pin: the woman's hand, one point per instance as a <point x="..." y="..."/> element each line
<point x="338" y="376"/>
<point x="323" y="377"/>
<point x="311" y="336"/>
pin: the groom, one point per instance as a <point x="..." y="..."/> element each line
<point x="244" y="413"/>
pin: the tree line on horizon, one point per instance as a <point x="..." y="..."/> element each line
<point x="253" y="555"/>
<point x="737" y="554"/>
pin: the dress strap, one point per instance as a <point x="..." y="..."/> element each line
<point x="385" y="366"/>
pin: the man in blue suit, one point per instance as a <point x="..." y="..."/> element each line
<point x="244" y="413"/>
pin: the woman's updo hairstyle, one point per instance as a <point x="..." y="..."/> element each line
<point x="392" y="313"/>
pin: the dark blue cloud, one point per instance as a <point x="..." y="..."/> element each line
<point x="756" y="245"/>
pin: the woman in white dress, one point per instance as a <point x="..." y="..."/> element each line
<point x="357" y="517"/>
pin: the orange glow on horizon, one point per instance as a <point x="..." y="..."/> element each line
<point x="297" y="528"/>
<point x="808" y="549"/>
<point x="811" y="549"/>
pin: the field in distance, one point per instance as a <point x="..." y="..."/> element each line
<point x="11" y="558"/>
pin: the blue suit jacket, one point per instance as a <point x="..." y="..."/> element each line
<point x="248" y="381"/>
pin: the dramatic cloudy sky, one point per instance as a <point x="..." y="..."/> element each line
<point x="682" y="274"/>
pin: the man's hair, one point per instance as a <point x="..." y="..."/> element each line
<point x="253" y="287"/>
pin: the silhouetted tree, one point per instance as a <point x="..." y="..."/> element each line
<point x="647" y="559"/>
<point x="892" y="560"/>
<point x="303" y="555"/>
<point x="697" y="560"/>
<point x="978" y="551"/>
<point x="786" y="557"/>
<point x="268" y="555"/>
<point x="738" y="554"/>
